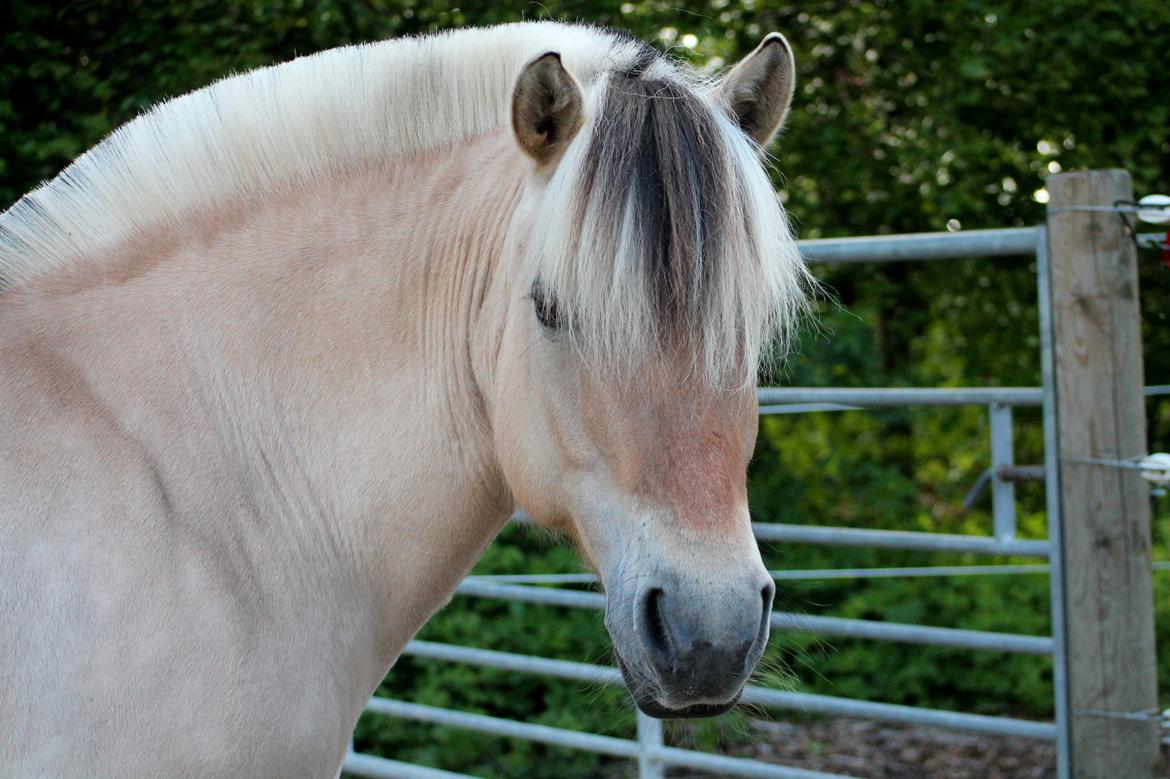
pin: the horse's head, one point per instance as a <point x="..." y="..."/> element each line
<point x="653" y="266"/>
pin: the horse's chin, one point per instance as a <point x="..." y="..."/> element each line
<point x="651" y="707"/>
<point x="649" y="704"/>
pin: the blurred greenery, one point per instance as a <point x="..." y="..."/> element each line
<point x="910" y="116"/>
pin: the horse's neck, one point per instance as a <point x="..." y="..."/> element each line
<point x="322" y="347"/>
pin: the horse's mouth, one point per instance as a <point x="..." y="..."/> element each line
<point x="650" y="706"/>
<point x="648" y="703"/>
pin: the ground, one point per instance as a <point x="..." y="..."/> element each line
<point x="873" y="750"/>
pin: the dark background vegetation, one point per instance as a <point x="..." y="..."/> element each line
<point x="910" y="116"/>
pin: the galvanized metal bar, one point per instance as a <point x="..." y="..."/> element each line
<point x="649" y="742"/>
<point x="776" y="699"/>
<point x="977" y="490"/>
<point x="544" y="734"/>
<point x="803" y="408"/>
<point x="911" y="572"/>
<point x="590" y="742"/>
<point x="548" y="596"/>
<point x="913" y="634"/>
<point x="880" y="539"/>
<point x="803" y="400"/>
<point x="383" y="768"/>
<point x="886" y="397"/>
<point x="507" y="661"/>
<point x="800" y="574"/>
<point x="721" y="765"/>
<point x="1003" y="492"/>
<point x="1008" y="242"/>
<point x="797" y="574"/>
<point x="896" y="539"/>
<point x="826" y="626"/>
<point x="536" y="578"/>
<point x="892" y="712"/>
<point x="1056" y="580"/>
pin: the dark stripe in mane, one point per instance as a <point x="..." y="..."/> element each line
<point x="646" y="54"/>
<point x="646" y="57"/>
<point x="657" y="147"/>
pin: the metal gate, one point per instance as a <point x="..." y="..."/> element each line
<point x="652" y="756"/>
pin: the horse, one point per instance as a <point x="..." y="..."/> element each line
<point x="282" y="355"/>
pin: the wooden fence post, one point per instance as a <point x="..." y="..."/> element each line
<point x="1109" y="617"/>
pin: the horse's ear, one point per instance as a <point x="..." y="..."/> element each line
<point x="547" y="108"/>
<point x="759" y="89"/>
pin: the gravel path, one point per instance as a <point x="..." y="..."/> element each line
<point x="873" y="750"/>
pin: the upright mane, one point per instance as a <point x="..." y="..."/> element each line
<point x="278" y="127"/>
<point x="659" y="228"/>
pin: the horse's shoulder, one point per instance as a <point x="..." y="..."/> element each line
<point x="64" y="450"/>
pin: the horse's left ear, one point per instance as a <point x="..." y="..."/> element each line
<point x="547" y="108"/>
<point x="759" y="89"/>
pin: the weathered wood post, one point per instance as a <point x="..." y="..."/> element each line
<point x="1109" y="617"/>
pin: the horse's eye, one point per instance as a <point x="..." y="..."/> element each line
<point x="546" y="310"/>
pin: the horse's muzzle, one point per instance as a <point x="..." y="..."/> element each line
<point x="692" y="655"/>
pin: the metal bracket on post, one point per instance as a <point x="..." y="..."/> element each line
<point x="649" y="739"/>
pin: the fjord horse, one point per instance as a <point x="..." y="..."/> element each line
<point x="281" y="356"/>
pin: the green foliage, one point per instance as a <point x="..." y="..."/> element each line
<point x="910" y="116"/>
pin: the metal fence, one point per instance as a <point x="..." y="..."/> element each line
<point x="651" y="754"/>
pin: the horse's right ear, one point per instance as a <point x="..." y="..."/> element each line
<point x="547" y="108"/>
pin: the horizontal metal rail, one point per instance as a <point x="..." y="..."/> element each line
<point x="523" y="593"/>
<point x="773" y="699"/>
<point x="910" y="572"/>
<point x="897" y="539"/>
<point x="544" y="734"/>
<point x="508" y="661"/>
<point x="801" y="400"/>
<point x="913" y="634"/>
<point x="1009" y="242"/>
<point x="881" y="539"/>
<point x="536" y="578"/>
<point x="591" y="742"/>
<point x="875" y="397"/>
<point x="803" y="408"/>
<point x="720" y="765"/>
<point x="825" y="626"/>
<point x="373" y="767"/>
<point x="798" y="574"/>
<point x="907" y="715"/>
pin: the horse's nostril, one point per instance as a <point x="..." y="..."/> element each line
<point x="654" y="631"/>
<point x="769" y="592"/>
